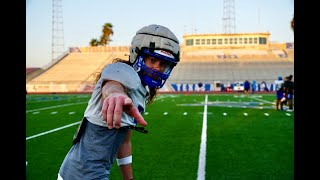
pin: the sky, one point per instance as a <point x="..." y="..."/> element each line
<point x="83" y="21"/>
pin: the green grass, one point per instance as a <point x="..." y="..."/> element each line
<point x="246" y="137"/>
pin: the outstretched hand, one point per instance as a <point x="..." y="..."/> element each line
<point x="114" y="105"/>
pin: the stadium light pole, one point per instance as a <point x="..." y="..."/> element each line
<point x="229" y="19"/>
<point x="57" y="30"/>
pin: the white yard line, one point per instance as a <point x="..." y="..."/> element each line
<point x="202" y="156"/>
<point x="262" y="100"/>
<point x="51" y="107"/>
<point x="163" y="97"/>
<point x="53" y="130"/>
<point x="57" y="129"/>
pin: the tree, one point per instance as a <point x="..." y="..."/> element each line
<point x="94" y="42"/>
<point x="107" y="31"/>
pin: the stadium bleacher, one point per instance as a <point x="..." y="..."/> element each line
<point x="75" y="71"/>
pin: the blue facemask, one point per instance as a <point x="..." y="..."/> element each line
<point x="150" y="77"/>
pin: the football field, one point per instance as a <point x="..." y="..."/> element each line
<point x="191" y="136"/>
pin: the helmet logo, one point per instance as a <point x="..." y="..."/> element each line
<point x="164" y="53"/>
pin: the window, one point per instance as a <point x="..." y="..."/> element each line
<point x="208" y="41"/>
<point x="246" y="40"/>
<point x="231" y="41"/>
<point x="197" y="41"/>
<point x="189" y="42"/>
<point x="235" y="41"/>
<point x="225" y="40"/>
<point x="219" y="41"/>
<point x="240" y="40"/>
<point x="203" y="41"/>
<point x="250" y="40"/>
<point x="214" y="41"/>
<point x="262" y="40"/>
<point x="255" y="40"/>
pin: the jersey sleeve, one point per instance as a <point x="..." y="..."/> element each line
<point x="121" y="73"/>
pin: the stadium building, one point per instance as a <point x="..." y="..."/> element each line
<point x="209" y="62"/>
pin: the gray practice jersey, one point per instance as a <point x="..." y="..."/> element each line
<point x="129" y="78"/>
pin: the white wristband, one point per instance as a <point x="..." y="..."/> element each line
<point x="125" y="160"/>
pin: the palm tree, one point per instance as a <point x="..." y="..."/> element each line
<point x="105" y="37"/>
<point x="106" y="32"/>
<point x="103" y="40"/>
<point x="94" y="42"/>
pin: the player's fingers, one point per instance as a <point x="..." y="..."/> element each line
<point x="128" y="102"/>
<point x="134" y="112"/>
<point x="110" y="111"/>
<point x="104" y="109"/>
<point x="137" y="116"/>
<point x="118" y="112"/>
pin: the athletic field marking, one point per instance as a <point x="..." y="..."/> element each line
<point x="206" y="113"/>
<point x="185" y="113"/>
<point x="246" y="114"/>
<point x="268" y="102"/>
<point x="202" y="156"/>
<point x="53" y="130"/>
<point x="51" y="107"/>
<point x="54" y="99"/>
<point x="165" y="113"/>
<point x="224" y="114"/>
<point x="266" y="114"/>
<point x="288" y="114"/>
<point x="235" y="104"/>
<point x="162" y="97"/>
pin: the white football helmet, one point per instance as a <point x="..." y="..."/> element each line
<point x="159" y="42"/>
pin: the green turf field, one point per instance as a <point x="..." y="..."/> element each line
<point x="238" y="137"/>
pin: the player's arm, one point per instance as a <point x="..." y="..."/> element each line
<point x="115" y="96"/>
<point x="124" y="158"/>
